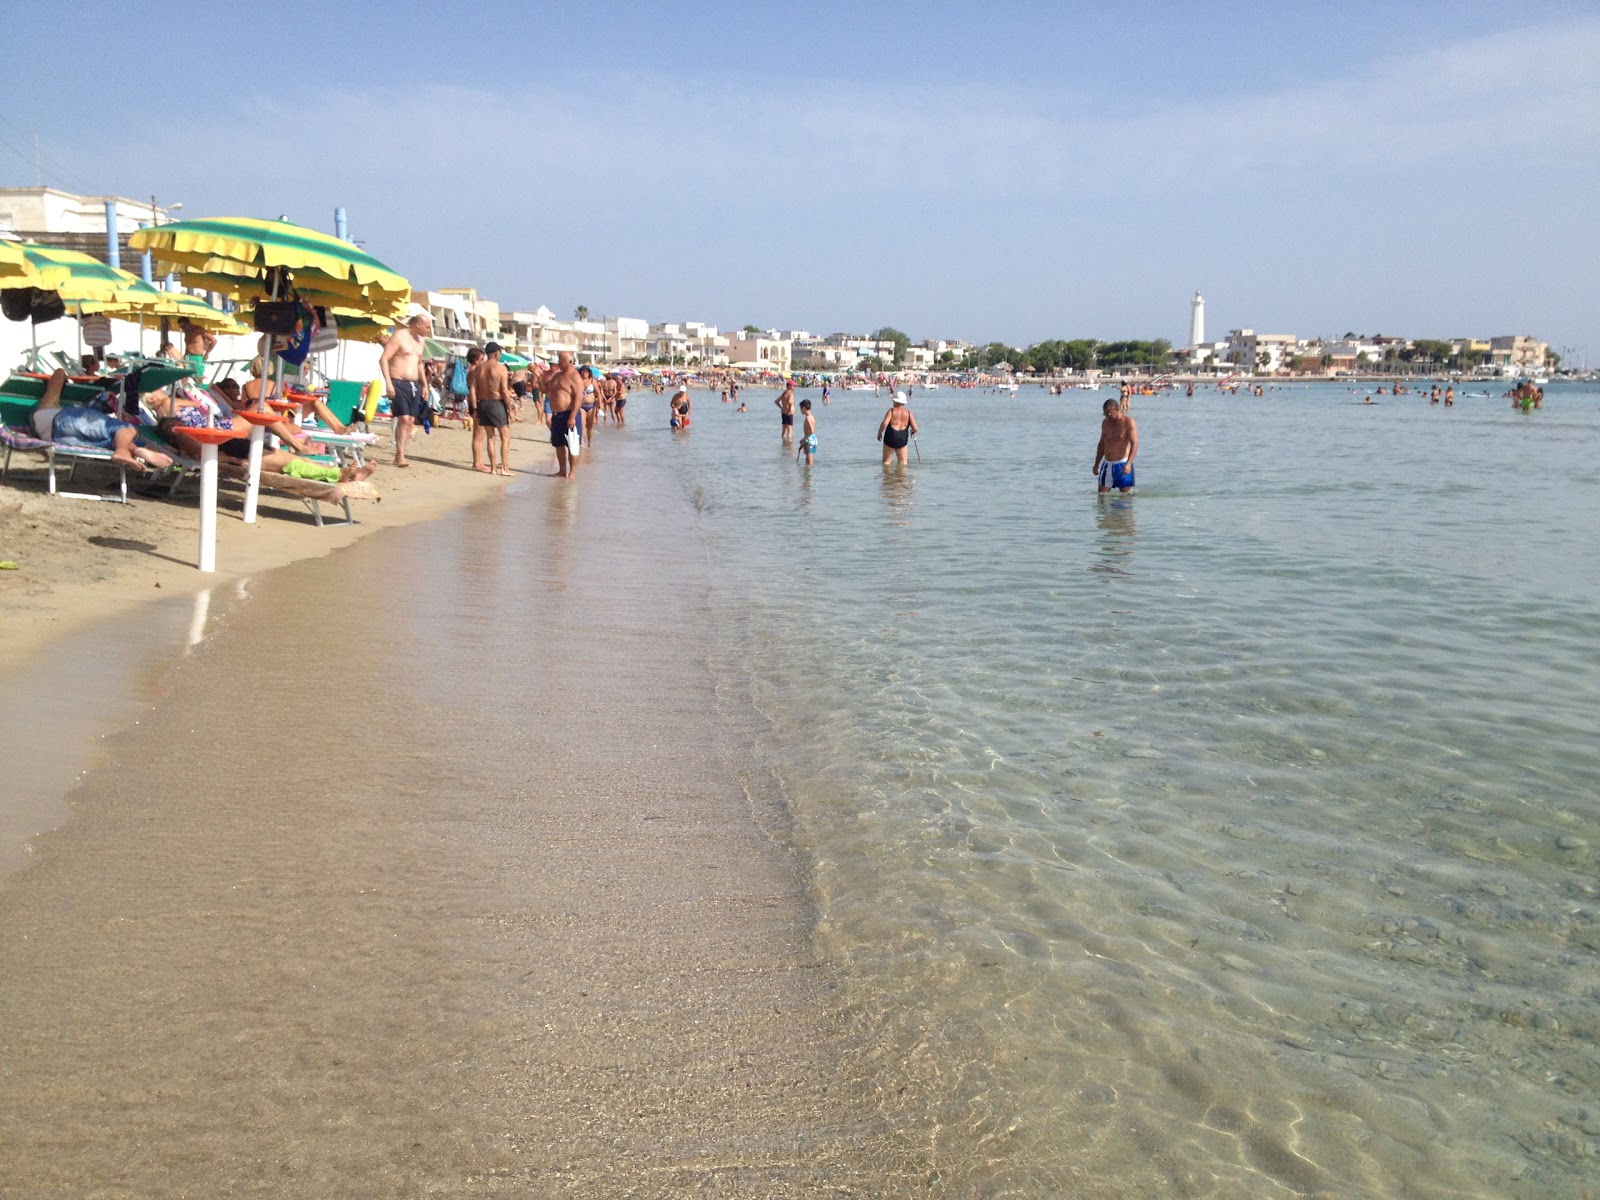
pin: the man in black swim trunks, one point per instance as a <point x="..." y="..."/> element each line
<point x="403" y="380"/>
<point x="563" y="388"/>
<point x="620" y="398"/>
<point x="489" y="393"/>
<point x="785" y="403"/>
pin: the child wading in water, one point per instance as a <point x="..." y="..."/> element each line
<point x="808" y="433"/>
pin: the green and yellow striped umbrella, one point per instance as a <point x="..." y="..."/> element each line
<point x="152" y="302"/>
<point x="15" y="269"/>
<point x="237" y="255"/>
<point x="79" y="279"/>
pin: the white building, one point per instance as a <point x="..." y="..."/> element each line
<point x="759" y="352"/>
<point x="1255" y="352"/>
<point x="628" y="337"/>
<point x="1197" y="323"/>
<point x="25" y="210"/>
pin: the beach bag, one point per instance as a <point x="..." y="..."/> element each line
<point x="298" y="344"/>
<point x="276" y="317"/>
<point x="458" y="378"/>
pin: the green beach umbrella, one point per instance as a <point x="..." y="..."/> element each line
<point x="253" y="260"/>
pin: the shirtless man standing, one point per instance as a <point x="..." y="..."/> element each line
<point x="197" y="345"/>
<point x="563" y="388"/>
<point x="785" y="403"/>
<point x="403" y="380"/>
<point x="1119" y="445"/>
<point x="489" y="393"/>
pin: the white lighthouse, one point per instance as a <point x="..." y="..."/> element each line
<point x="1197" y="322"/>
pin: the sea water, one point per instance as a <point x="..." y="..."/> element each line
<point x="1239" y="836"/>
<point x="1235" y="837"/>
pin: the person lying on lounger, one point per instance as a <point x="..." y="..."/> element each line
<point x="257" y="387"/>
<point x="196" y="414"/>
<point x="237" y="450"/>
<point x="82" y="425"/>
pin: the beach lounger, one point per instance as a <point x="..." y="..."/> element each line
<point x="16" y="433"/>
<point x="312" y="493"/>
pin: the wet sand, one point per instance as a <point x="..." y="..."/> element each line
<point x="428" y="875"/>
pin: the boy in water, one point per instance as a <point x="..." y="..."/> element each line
<point x="808" y="433"/>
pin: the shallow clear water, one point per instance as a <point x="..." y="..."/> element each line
<point x="1235" y="837"/>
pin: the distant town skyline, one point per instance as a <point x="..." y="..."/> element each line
<point x="1054" y="173"/>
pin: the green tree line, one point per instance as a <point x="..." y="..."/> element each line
<point x="1079" y="354"/>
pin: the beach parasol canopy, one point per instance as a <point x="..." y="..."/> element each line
<point x="252" y="260"/>
<point x="75" y="279"/>
<point x="513" y="361"/>
<point x="15" y="269"/>
<point x="143" y="301"/>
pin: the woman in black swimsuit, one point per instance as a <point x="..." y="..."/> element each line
<point x="896" y="430"/>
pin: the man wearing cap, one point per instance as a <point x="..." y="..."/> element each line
<point x="403" y="380"/>
<point x="489" y="395"/>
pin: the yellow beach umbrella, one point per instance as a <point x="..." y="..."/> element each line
<point x="257" y="260"/>
<point x="78" y="279"/>
<point x="15" y="269"/>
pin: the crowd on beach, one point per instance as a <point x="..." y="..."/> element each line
<point x="487" y="396"/>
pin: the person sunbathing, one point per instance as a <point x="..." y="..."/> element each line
<point x="283" y="429"/>
<point x="82" y="425"/>
<point x="237" y="450"/>
<point x="258" y="388"/>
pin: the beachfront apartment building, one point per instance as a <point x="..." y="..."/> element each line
<point x="759" y="352"/>
<point x="452" y="316"/>
<point x="53" y="217"/>
<point x="473" y="317"/>
<point x="628" y="337"/>
<point x="688" y="342"/>
<point x="1518" y="352"/>
<point x="1251" y="352"/>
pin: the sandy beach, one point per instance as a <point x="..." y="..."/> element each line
<point x="359" y="906"/>
<point x="81" y="561"/>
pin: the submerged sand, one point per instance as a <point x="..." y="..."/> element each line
<point x="380" y="900"/>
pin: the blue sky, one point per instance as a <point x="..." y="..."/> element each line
<point x="1015" y="172"/>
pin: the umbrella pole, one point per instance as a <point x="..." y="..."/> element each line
<point x="208" y="505"/>
<point x="252" y="489"/>
<point x="258" y="435"/>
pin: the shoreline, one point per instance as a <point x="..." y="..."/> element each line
<point x="436" y="935"/>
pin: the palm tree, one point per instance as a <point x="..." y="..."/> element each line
<point x="581" y="313"/>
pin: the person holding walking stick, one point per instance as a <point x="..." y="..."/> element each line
<point x="896" y="430"/>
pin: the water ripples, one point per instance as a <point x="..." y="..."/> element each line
<point x="1233" y="838"/>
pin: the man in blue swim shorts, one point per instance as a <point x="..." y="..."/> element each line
<point x="1119" y="445"/>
